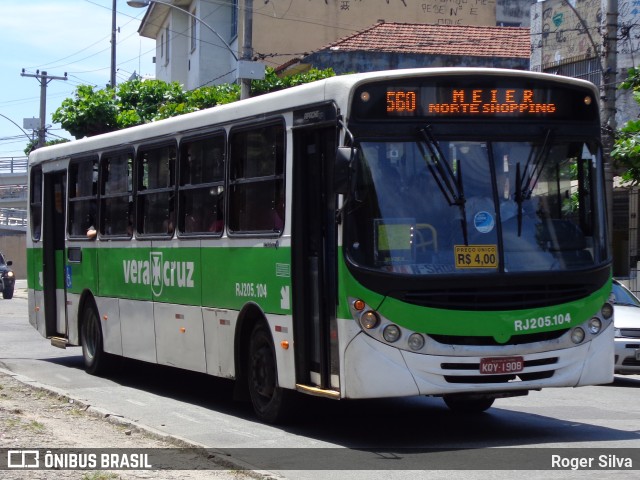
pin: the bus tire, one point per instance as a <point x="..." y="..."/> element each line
<point x="96" y="360"/>
<point x="461" y="403"/>
<point x="268" y="399"/>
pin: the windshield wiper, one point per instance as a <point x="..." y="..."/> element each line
<point x="448" y="182"/>
<point x="526" y="180"/>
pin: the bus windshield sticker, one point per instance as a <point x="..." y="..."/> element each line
<point x="476" y="256"/>
<point x="484" y="222"/>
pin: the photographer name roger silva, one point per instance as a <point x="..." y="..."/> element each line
<point x="607" y="462"/>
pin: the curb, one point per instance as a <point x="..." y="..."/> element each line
<point x="219" y="457"/>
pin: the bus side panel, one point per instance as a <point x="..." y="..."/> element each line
<point x="219" y="330"/>
<point x="138" y="330"/>
<point x="179" y="336"/>
<point x="211" y="342"/>
<point x="81" y="274"/>
<point x="235" y="276"/>
<point x="109" y="313"/>
<point x="124" y="274"/>
<point x="36" y="292"/>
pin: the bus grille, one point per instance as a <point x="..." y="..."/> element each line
<point x="491" y="342"/>
<point x="495" y="297"/>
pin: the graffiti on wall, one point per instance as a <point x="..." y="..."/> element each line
<point x="560" y="34"/>
<point x="366" y="13"/>
<point x="629" y="30"/>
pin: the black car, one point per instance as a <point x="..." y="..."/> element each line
<point x="7" y="278"/>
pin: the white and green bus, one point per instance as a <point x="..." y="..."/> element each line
<point x="435" y="232"/>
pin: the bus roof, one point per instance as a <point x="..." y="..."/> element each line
<point x="338" y="89"/>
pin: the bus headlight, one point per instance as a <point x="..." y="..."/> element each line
<point x="369" y="319"/>
<point x="607" y="311"/>
<point x="416" y="341"/>
<point x="391" y="333"/>
<point x="577" y="335"/>
<point x="595" y="324"/>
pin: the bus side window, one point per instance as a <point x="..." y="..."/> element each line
<point x="201" y="185"/>
<point x="256" y="179"/>
<point x="156" y="196"/>
<point x="83" y="204"/>
<point x="116" y="196"/>
<point x="35" y="203"/>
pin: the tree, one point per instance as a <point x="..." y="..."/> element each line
<point x="33" y="144"/>
<point x="136" y="102"/>
<point x="626" y="149"/>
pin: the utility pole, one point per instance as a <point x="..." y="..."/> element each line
<point x="247" y="46"/>
<point x="113" y="45"/>
<point x="44" y="80"/>
<point x="608" y="106"/>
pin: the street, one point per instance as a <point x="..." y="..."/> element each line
<point x="594" y="429"/>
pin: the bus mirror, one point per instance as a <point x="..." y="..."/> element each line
<point x="343" y="168"/>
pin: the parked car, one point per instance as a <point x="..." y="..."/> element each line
<point x="7" y="278"/>
<point x="627" y="328"/>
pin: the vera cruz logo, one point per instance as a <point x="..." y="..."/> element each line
<point x="158" y="273"/>
<point x="156" y="280"/>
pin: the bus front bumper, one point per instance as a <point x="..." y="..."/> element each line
<point x="375" y="370"/>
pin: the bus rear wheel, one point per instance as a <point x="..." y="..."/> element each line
<point x="461" y="403"/>
<point x="96" y="360"/>
<point x="268" y="399"/>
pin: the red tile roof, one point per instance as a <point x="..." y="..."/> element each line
<point x="456" y="40"/>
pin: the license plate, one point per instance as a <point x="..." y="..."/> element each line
<point x="495" y="365"/>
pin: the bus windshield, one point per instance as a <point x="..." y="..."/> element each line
<point x="457" y="207"/>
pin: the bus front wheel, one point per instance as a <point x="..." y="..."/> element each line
<point x="267" y="397"/>
<point x="95" y="358"/>
<point x="461" y="403"/>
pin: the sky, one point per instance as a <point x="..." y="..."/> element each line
<point x="58" y="36"/>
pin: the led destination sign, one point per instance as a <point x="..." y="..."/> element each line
<point x="471" y="101"/>
<point x="468" y="99"/>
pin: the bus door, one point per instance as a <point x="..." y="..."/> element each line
<point x="53" y="258"/>
<point x="314" y="252"/>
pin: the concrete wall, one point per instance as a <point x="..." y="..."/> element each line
<point x="14" y="248"/>
<point x="558" y="34"/>
<point x="288" y="28"/>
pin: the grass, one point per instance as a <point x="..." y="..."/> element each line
<point x="99" y="476"/>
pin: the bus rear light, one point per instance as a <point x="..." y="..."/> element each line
<point x="369" y="319"/>
<point x="391" y="333"/>
<point x="416" y="342"/>
<point x="607" y="311"/>
<point x="595" y="324"/>
<point x="359" y="305"/>
<point x="577" y="335"/>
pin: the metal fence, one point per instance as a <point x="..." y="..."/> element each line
<point x="13" y="165"/>
<point x="13" y="217"/>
